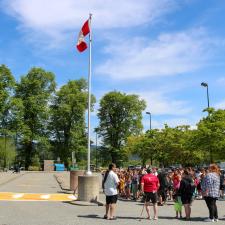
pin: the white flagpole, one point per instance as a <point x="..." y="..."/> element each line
<point x="89" y="101"/>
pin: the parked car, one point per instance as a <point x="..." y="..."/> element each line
<point x="138" y="167"/>
<point x="131" y="167"/>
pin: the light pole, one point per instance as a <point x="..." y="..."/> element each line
<point x="96" y="147"/>
<point x="203" y="84"/>
<point x="96" y="150"/>
<point x="150" y="120"/>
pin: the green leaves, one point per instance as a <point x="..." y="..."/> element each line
<point x="211" y="135"/>
<point x="68" y="119"/>
<point x="7" y="84"/>
<point x="7" y="151"/>
<point x="44" y="124"/>
<point x="120" y="116"/>
<point x="47" y="124"/>
<point x="33" y="94"/>
<point x="167" y="146"/>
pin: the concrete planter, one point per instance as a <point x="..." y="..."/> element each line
<point x="74" y="179"/>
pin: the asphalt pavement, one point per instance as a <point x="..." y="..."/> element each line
<point x="68" y="213"/>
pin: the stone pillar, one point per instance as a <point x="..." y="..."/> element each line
<point x="100" y="179"/>
<point x="74" y="179"/>
<point x="88" y="188"/>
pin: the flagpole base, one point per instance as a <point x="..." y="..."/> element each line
<point x="88" y="188"/>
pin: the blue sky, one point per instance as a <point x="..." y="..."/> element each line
<point x="159" y="49"/>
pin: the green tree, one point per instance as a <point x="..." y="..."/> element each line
<point x="34" y="91"/>
<point x="144" y="146"/>
<point x="192" y="154"/>
<point x="7" y="84"/>
<point x="7" y="152"/>
<point x="120" y="116"/>
<point x="211" y="135"/>
<point x="166" y="146"/>
<point x="176" y="146"/>
<point x="68" y="120"/>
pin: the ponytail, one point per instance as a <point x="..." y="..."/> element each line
<point x="105" y="178"/>
<point x="111" y="166"/>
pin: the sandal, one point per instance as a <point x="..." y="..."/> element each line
<point x="105" y="217"/>
<point x="113" y="218"/>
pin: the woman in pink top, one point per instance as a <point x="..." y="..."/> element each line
<point x="176" y="181"/>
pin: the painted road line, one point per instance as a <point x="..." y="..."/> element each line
<point x="45" y="197"/>
<point x="18" y="195"/>
<point x="9" y="196"/>
<point x="72" y="197"/>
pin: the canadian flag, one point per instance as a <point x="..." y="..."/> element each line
<point x="81" y="44"/>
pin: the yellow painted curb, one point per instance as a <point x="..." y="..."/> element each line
<point x="10" y="196"/>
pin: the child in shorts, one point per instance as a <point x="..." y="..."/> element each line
<point x="178" y="205"/>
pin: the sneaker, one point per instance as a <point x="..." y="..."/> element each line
<point x="216" y="220"/>
<point x="209" y="220"/>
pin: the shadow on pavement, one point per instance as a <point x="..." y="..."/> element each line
<point x="194" y="219"/>
<point x="94" y="216"/>
<point x="91" y="216"/>
<point x="126" y="200"/>
<point x="65" y="191"/>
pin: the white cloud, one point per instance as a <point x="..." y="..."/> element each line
<point x="155" y="124"/>
<point x="159" y="103"/>
<point x="174" y="122"/>
<point x="220" y="105"/>
<point x="55" y="18"/>
<point x="221" y="81"/>
<point x="170" y="54"/>
<point x="177" y="122"/>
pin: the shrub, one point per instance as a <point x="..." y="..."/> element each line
<point x="33" y="168"/>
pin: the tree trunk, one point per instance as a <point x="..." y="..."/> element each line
<point x="28" y="155"/>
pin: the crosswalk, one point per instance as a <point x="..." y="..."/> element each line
<point x="11" y="196"/>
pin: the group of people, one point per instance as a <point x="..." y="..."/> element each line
<point x="157" y="186"/>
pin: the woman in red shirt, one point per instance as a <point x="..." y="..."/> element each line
<point x="150" y="186"/>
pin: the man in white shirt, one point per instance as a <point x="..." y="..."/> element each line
<point x="110" y="184"/>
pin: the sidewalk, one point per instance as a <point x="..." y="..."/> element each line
<point x="6" y="177"/>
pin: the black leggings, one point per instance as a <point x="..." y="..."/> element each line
<point x="211" y="204"/>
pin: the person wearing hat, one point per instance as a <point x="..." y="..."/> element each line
<point x="150" y="185"/>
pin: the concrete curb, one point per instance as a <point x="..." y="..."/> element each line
<point x="61" y="182"/>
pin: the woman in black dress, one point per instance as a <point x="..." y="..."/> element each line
<point x="186" y="191"/>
